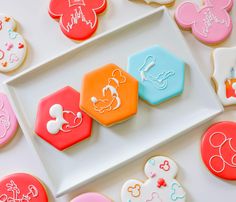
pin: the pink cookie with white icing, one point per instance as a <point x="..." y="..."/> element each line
<point x="91" y="197"/>
<point x="8" y="121"/>
<point x="211" y="24"/>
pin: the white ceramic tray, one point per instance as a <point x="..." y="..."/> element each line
<point x="109" y="148"/>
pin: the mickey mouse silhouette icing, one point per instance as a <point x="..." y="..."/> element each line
<point x="91" y="197"/>
<point x="210" y="24"/>
<point x="78" y="18"/>
<point x="12" y="46"/>
<point x="161" y="185"/>
<point x="218" y="149"/>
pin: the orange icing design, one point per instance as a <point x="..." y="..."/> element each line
<point x="109" y="95"/>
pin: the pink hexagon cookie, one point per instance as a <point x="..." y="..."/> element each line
<point x="210" y="24"/>
<point x="8" y="121"/>
<point x="60" y="120"/>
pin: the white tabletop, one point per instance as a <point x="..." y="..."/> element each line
<point x="44" y="42"/>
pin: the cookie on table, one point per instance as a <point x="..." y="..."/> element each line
<point x="8" y="121"/>
<point x="210" y="23"/>
<point x="91" y="197"/>
<point x="224" y="75"/>
<point x="78" y="18"/>
<point x="160" y="2"/>
<point x="218" y="149"/>
<point x="161" y="185"/>
<point x="109" y="95"/>
<point x="60" y="121"/>
<point x="160" y="74"/>
<point x="23" y="188"/>
<point x="12" y="45"/>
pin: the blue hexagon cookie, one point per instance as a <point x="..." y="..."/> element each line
<point x="159" y="73"/>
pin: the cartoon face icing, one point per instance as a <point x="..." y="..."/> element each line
<point x="224" y="74"/>
<point x="91" y="197"/>
<point x="219" y="149"/>
<point x="161" y="185"/>
<point x="160" y="74"/>
<point x="12" y="46"/>
<point x="211" y="24"/>
<point x="162" y="2"/>
<point x="54" y="126"/>
<point x="102" y="105"/>
<point x="78" y="18"/>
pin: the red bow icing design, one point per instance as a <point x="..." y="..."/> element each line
<point x="78" y="18"/>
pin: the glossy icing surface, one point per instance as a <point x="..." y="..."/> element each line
<point x="91" y="197"/>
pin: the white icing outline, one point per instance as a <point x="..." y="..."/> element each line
<point x="12" y="187"/>
<point x="232" y="164"/>
<point x="114" y="92"/>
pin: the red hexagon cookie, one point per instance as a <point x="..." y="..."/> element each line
<point x="78" y="18"/>
<point x="109" y="95"/>
<point x="218" y="149"/>
<point x="60" y="120"/>
<point x="21" y="187"/>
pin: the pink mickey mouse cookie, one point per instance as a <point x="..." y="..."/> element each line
<point x="21" y="187"/>
<point x="8" y="121"/>
<point x="211" y="24"/>
<point x="91" y="197"/>
<point x="218" y="148"/>
<point x="78" y="18"/>
<point x="12" y="45"/>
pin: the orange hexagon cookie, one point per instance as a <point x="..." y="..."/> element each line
<point x="109" y="95"/>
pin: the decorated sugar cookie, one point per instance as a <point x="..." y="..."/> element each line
<point x="60" y="120"/>
<point x="161" y="2"/>
<point x="218" y="149"/>
<point x="91" y="197"/>
<point x="224" y="74"/>
<point x="12" y="46"/>
<point x="22" y="187"/>
<point x="78" y="18"/>
<point x="210" y="24"/>
<point x="8" y="121"/>
<point x="109" y="95"/>
<point x="160" y="74"/>
<point x="161" y="185"/>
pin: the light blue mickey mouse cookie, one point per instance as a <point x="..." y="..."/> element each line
<point x="159" y="73"/>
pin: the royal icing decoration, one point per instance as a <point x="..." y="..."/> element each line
<point x="78" y="18"/>
<point x="160" y="74"/>
<point x="91" y="197"/>
<point x="60" y="120"/>
<point x="8" y="121"/>
<point x="224" y="74"/>
<point x="12" y="46"/>
<point x="161" y="2"/>
<point x="22" y="188"/>
<point x="218" y="149"/>
<point x="109" y="95"/>
<point x="161" y="185"/>
<point x="211" y="24"/>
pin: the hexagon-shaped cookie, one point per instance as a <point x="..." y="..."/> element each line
<point x="159" y="73"/>
<point x="60" y="120"/>
<point x="109" y="95"/>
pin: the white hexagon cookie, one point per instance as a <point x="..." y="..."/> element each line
<point x="161" y="185"/>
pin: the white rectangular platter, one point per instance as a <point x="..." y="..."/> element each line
<point x="109" y="148"/>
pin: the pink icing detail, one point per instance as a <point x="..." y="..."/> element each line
<point x="8" y="121"/>
<point x="91" y="197"/>
<point x="9" y="46"/>
<point x="211" y="24"/>
<point x="2" y="54"/>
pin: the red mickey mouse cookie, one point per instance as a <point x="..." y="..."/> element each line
<point x="218" y="149"/>
<point x="22" y="187"/>
<point x="78" y="18"/>
<point x="60" y="120"/>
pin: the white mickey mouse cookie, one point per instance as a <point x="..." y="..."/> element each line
<point x="161" y="2"/>
<point x="12" y="45"/>
<point x="224" y="74"/>
<point x="161" y="185"/>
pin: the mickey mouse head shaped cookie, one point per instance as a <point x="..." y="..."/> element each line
<point x="211" y="24"/>
<point x="91" y="197"/>
<point x="109" y="95"/>
<point x="78" y="18"/>
<point x="12" y="46"/>
<point x="161" y="185"/>
<point x="218" y="148"/>
<point x="60" y="121"/>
